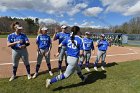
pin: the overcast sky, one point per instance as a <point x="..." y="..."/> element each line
<point x="93" y="13"/>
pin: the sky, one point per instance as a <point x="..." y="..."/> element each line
<point x="85" y="13"/>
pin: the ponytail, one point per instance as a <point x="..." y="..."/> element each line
<point x="72" y="38"/>
<point x="74" y="31"/>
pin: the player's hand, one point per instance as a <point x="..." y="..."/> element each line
<point x="22" y="47"/>
<point x="56" y="30"/>
<point x="19" y="42"/>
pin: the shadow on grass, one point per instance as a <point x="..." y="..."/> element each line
<point x="99" y="65"/>
<point x="111" y="64"/>
<point x="90" y="66"/>
<point x="92" y="77"/>
<point x="54" y="70"/>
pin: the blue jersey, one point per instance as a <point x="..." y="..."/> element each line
<point x="43" y="41"/>
<point x="88" y="44"/>
<point x="14" y="37"/>
<point x="73" y="49"/>
<point x="102" y="45"/>
<point x="61" y="36"/>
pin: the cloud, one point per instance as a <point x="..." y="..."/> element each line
<point x="93" y="11"/>
<point x="134" y="10"/>
<point x="46" y="21"/>
<point x="86" y="24"/>
<point x="81" y="6"/>
<point x="46" y="6"/>
<point x="71" y="19"/>
<point x="76" y="23"/>
<point x="125" y="7"/>
<point x="77" y="9"/>
<point x="73" y="11"/>
<point x="63" y="22"/>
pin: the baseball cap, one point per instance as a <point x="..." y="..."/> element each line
<point x="44" y="28"/>
<point x="63" y="26"/>
<point x="19" y="27"/>
<point x="87" y="33"/>
<point x="103" y="35"/>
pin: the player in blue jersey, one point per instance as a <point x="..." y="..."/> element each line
<point x="88" y="47"/>
<point x="74" y="47"/>
<point x="102" y="45"/>
<point x="44" y="46"/>
<point x="62" y="50"/>
<point x="18" y="41"/>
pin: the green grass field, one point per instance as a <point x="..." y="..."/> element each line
<point x="118" y="78"/>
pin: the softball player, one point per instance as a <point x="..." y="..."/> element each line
<point x="18" y="42"/>
<point x="62" y="50"/>
<point x="102" y="45"/>
<point x="88" y="46"/>
<point x="120" y="40"/>
<point x="44" y="46"/>
<point x="74" y="46"/>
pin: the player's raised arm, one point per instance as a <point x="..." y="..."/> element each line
<point x="55" y="36"/>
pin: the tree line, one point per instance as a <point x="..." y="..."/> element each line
<point x="31" y="26"/>
<point x="130" y="27"/>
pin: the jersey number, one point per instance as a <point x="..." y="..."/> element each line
<point x="71" y="45"/>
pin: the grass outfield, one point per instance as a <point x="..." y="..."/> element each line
<point x="119" y="78"/>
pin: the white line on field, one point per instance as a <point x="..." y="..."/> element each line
<point x="91" y="57"/>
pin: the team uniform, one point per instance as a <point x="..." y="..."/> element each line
<point x="120" y="40"/>
<point x="44" y="43"/>
<point x="88" y="46"/>
<point x="62" y="50"/>
<point x="18" y="53"/>
<point x="72" y="59"/>
<point x="102" y="48"/>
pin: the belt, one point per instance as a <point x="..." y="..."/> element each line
<point x="102" y="50"/>
<point x="18" y="48"/>
<point x="86" y="50"/>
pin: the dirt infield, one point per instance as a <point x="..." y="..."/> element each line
<point x="114" y="54"/>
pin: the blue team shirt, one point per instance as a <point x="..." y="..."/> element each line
<point x="14" y="37"/>
<point x="43" y="41"/>
<point x="88" y="43"/>
<point x="102" y="45"/>
<point x="71" y="49"/>
<point x="61" y="36"/>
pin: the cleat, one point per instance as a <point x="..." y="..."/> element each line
<point x="12" y="78"/>
<point x="60" y="72"/>
<point x="95" y="68"/>
<point x="35" y="75"/>
<point x="29" y="77"/>
<point x="50" y="72"/>
<point x="102" y="68"/>
<point x="48" y="83"/>
<point x="87" y="69"/>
